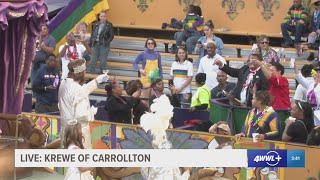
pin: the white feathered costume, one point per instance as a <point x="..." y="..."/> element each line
<point x="158" y="122"/>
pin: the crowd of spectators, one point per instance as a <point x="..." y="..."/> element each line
<point x="261" y="83"/>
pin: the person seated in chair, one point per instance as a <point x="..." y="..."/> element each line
<point x="295" y="22"/>
<point x="249" y="76"/>
<point x="223" y="88"/>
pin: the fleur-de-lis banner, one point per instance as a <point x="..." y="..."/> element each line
<point x="233" y="5"/>
<point x="267" y="6"/>
<point x="186" y="3"/>
<point x="142" y="5"/>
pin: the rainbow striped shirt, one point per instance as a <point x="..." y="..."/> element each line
<point x="269" y="124"/>
<point x="181" y="73"/>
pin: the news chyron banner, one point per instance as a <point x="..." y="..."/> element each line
<point x="159" y="158"/>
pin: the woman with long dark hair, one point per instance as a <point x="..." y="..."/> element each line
<point x="201" y="47"/>
<point x="300" y="125"/>
<point x="73" y="139"/>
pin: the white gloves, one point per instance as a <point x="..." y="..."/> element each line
<point x="102" y="78"/>
<point x="93" y="110"/>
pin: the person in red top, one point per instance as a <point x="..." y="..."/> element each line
<point x="278" y="85"/>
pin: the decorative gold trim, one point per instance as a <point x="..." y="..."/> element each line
<point x="23" y="59"/>
<point x="13" y="14"/>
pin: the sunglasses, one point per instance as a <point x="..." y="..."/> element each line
<point x="264" y="42"/>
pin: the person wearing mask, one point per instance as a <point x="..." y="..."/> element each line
<point x="223" y="88"/>
<point x="46" y="84"/>
<point x="118" y="107"/>
<point x="208" y="66"/>
<point x="150" y="62"/>
<point x="102" y="35"/>
<point x="182" y="73"/>
<point x="45" y="45"/>
<point x="74" y="98"/>
<point x="300" y="124"/>
<point x="201" y="47"/>
<point x="249" y="76"/>
<point x="268" y="54"/>
<point x="261" y="119"/>
<point x="201" y="99"/>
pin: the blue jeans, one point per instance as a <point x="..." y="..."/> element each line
<point x="101" y="52"/>
<point x="191" y="39"/>
<point x="297" y="30"/>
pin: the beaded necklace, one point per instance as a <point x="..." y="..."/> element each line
<point x="72" y="55"/>
<point x="260" y="115"/>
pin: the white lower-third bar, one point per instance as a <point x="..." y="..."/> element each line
<point x="131" y="158"/>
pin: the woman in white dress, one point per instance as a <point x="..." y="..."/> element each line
<point x="73" y="140"/>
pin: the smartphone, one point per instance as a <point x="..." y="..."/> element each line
<point x="170" y="82"/>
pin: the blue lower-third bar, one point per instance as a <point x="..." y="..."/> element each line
<point x="276" y="158"/>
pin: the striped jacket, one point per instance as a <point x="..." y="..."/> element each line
<point x="269" y="123"/>
<point x="297" y="15"/>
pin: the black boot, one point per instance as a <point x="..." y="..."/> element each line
<point x="164" y="25"/>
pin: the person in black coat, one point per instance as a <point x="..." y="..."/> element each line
<point x="249" y="76"/>
<point x="118" y="107"/>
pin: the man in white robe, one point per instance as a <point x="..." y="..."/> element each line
<point x="74" y="99"/>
